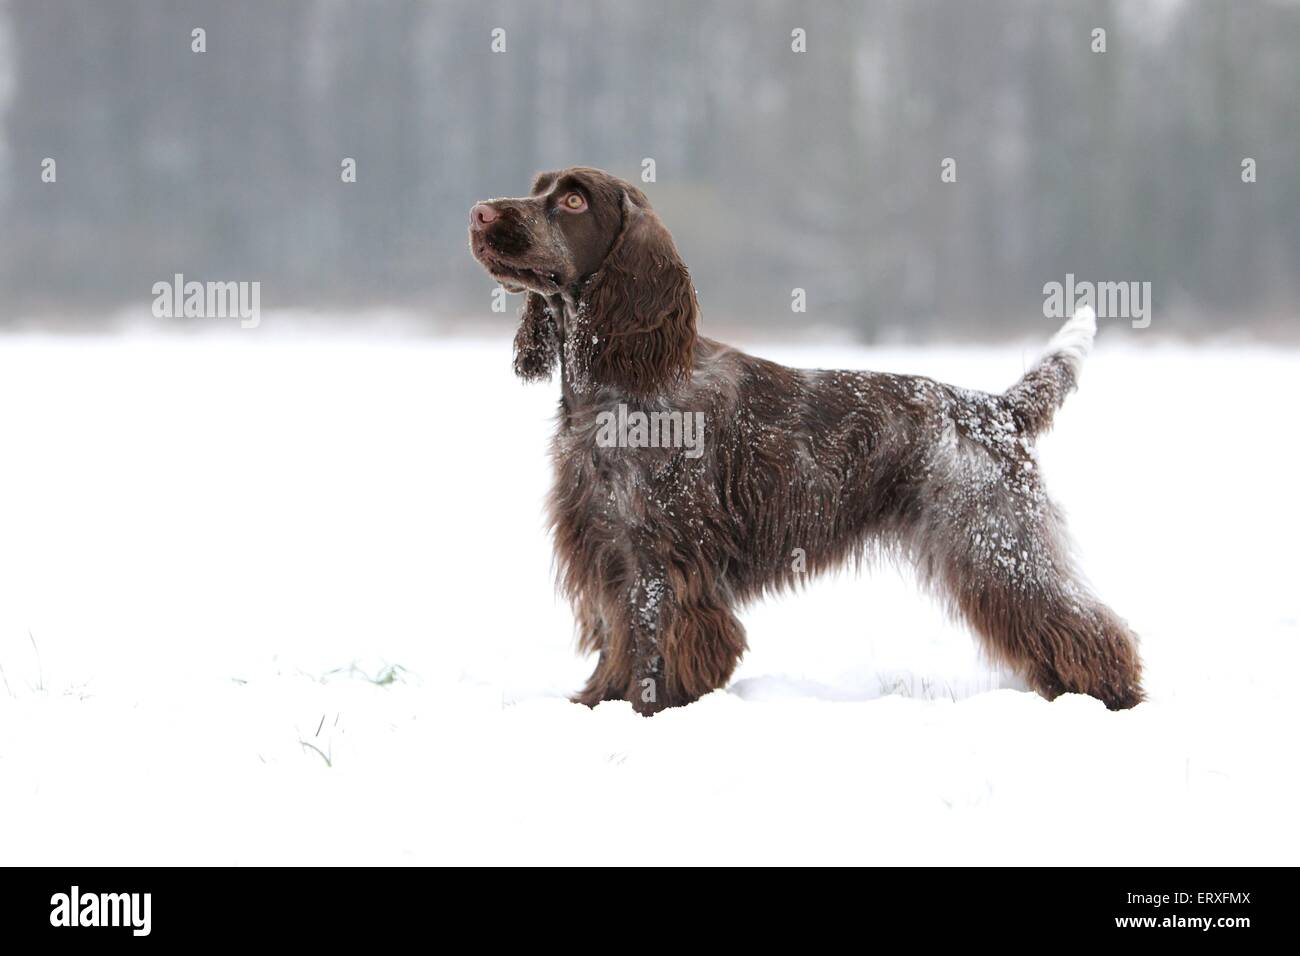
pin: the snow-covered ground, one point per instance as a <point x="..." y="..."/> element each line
<point x="268" y="600"/>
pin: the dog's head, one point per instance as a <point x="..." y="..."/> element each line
<point x="590" y="239"/>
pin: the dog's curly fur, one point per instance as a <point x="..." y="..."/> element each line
<point x="800" y="471"/>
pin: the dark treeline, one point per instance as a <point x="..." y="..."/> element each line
<point x="775" y="169"/>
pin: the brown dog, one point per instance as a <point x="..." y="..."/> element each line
<point x="691" y="477"/>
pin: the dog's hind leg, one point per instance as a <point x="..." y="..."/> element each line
<point x="1056" y="633"/>
<point x="1003" y="563"/>
<point x="995" y="546"/>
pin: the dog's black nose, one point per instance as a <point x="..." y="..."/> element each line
<point x="482" y="216"/>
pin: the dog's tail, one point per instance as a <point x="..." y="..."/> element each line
<point x="1034" y="399"/>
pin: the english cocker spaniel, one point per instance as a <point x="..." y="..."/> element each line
<point x="691" y="477"/>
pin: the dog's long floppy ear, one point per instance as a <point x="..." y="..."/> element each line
<point x="537" y="343"/>
<point x="639" y="309"/>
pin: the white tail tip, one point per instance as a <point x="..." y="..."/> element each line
<point x="1074" y="340"/>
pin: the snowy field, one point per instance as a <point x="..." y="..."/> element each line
<point x="279" y="601"/>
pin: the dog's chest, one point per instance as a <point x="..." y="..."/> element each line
<point x="609" y="480"/>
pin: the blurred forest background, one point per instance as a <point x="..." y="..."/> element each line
<point x="775" y="169"/>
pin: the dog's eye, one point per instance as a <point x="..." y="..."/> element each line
<point x="574" y="202"/>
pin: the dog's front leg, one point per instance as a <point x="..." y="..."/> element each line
<point x="606" y="682"/>
<point x="683" y="644"/>
<point x="648" y="622"/>
<point x="611" y="677"/>
<point x="661" y="642"/>
<point x="625" y="635"/>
